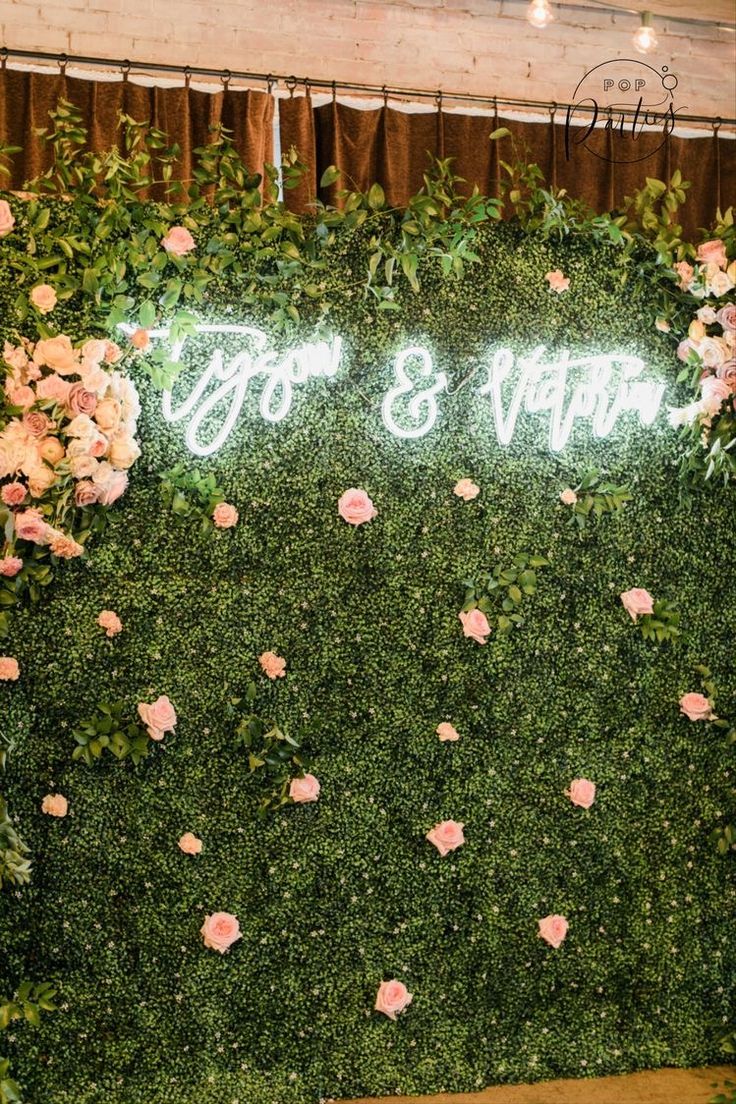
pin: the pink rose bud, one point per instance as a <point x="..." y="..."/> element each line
<point x="273" y="665"/>
<point x="225" y="516"/>
<point x="637" y="602"/>
<point x="553" y="928"/>
<point x="466" y="489"/>
<point x="220" y="931"/>
<point x="581" y="792"/>
<point x="190" y="844"/>
<point x="9" y="669"/>
<point x="557" y="281"/>
<point x="178" y="241"/>
<point x="696" y="707"/>
<point x="568" y="496"/>
<point x="110" y="622"/>
<point x="392" y="998"/>
<point x="55" y="805"/>
<point x="304" y="789"/>
<point x="475" y="625"/>
<point x="355" y="507"/>
<point x="445" y="731"/>
<point x="446" y="836"/>
<point x="159" y="717"/>
<point x="10" y="566"/>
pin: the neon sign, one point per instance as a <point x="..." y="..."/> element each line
<point x="599" y="388"/>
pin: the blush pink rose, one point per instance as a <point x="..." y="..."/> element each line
<point x="110" y="622"/>
<point x="86" y="493"/>
<point x="637" y="602"/>
<point x="113" y="352"/>
<point x="9" y="669"/>
<point x="727" y="373"/>
<point x="466" y="489"/>
<point x="159" y="717"/>
<point x="715" y="391"/>
<point x="273" y="665"/>
<point x="30" y="526"/>
<point x="446" y="836"/>
<point x="475" y="625"/>
<point x="178" y="241"/>
<point x="553" y="928"/>
<point x="393" y="997"/>
<point x="557" y="281"/>
<point x="581" y="792"/>
<point x="58" y="353"/>
<point x="696" y="707"/>
<point x="55" y="805"/>
<point x="568" y="497"/>
<point x="304" y="789"/>
<point x="113" y="488"/>
<point x="54" y="388"/>
<point x="36" y="423"/>
<point x="190" y="844"/>
<point x="43" y="298"/>
<point x="7" y="219"/>
<point x="220" y="931"/>
<point x="355" y="507"/>
<point x="446" y="731"/>
<point x="713" y="252"/>
<point x="683" y="349"/>
<point x="10" y="566"/>
<point x="22" y="396"/>
<point x="225" y="516"/>
<point x="726" y="316"/>
<point x="686" y="272"/>
<point x="80" y="400"/>
<point x="13" y="494"/>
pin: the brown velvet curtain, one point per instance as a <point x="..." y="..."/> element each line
<point x="391" y="147"/>
<point x="186" y="116"/>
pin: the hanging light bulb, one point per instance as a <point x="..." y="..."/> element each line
<point x="645" y="38"/>
<point x="539" y="13"/>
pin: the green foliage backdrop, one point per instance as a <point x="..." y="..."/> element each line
<point x="334" y="897"/>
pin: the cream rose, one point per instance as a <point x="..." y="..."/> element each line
<point x="107" y="415"/>
<point x="124" y="451"/>
<point x="52" y="450"/>
<point x="43" y="298"/>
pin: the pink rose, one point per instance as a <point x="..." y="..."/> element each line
<point x="466" y="489"/>
<point x="160" y="717"/>
<point x="554" y="929"/>
<point x="43" y="298"/>
<point x="110" y="622"/>
<point x="57" y="353"/>
<point x="355" y="507"/>
<point x="475" y="625"/>
<point x="637" y="602"/>
<point x="558" y="281"/>
<point x="22" y="396"/>
<point x="54" y="388"/>
<point x="225" y="516"/>
<point x="273" y="665"/>
<point x="568" y="496"/>
<point x="10" y="566"/>
<point x="581" y="792"/>
<point x="113" y="488"/>
<point x="140" y="339"/>
<point x="55" y="805"/>
<point x="220" y="931"/>
<point x="86" y="493"/>
<point x="80" y="400"/>
<point x="683" y="349"/>
<point x="696" y="707"/>
<point x="713" y="252"/>
<point x="715" y="391"/>
<point x="113" y="352"/>
<point x="9" y="669"/>
<point x="304" y="789"/>
<point x="446" y="731"/>
<point x="13" y="494"/>
<point x="727" y="373"/>
<point x="7" y="220"/>
<point x="36" y="423"/>
<point x="30" y="526"/>
<point x="446" y="836"/>
<point x="178" y="241"/>
<point x="392" y="998"/>
<point x="15" y="355"/>
<point x="686" y="272"/>
<point x="190" y="844"/>
<point x="64" y="546"/>
<point x="726" y="316"/>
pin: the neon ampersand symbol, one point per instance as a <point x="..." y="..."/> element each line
<point x="422" y="407"/>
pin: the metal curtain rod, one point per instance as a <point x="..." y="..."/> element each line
<point x="292" y="82"/>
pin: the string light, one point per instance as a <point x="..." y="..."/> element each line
<point x="539" y="13"/>
<point x="645" y="38"/>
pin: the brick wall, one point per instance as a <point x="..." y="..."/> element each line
<point x="476" y="46"/>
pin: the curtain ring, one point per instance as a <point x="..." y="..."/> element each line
<point x="384" y="91"/>
<point x="125" y="69"/>
<point x="307" y="87"/>
<point x="291" y="83"/>
<point x="438" y="99"/>
<point x="225" y="78"/>
<point x="62" y="60"/>
<point x="717" y="125"/>
<point x="3" y="57"/>
<point x="269" y="83"/>
<point x="187" y="77"/>
<point x="552" y="112"/>
<point x="334" y="92"/>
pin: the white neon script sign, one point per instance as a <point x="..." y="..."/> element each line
<point x="598" y="388"/>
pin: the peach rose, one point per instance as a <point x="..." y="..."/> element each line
<point x="124" y="451"/>
<point x="52" y="450"/>
<point x="225" y="516"/>
<point x="220" y="931"/>
<point x="30" y="526"/>
<point x="57" y="353"/>
<point x="446" y="731"/>
<point x="446" y="836"/>
<point x="36" y="423"/>
<point x="475" y="625"/>
<point x="686" y="272"/>
<point x="696" y="330"/>
<point x="10" y="566"/>
<point x="9" y="669"/>
<point x="113" y="352"/>
<point x="273" y="665"/>
<point x="466" y="489"/>
<point x="55" y="805"/>
<point x="113" y="488"/>
<point x="696" y="707"/>
<point x="637" y="602"/>
<point x="107" y="415"/>
<point x="304" y="789"/>
<point x="22" y="396"/>
<point x="553" y="928"/>
<point x="178" y="241"/>
<point x="190" y="844"/>
<point x="140" y="339"/>
<point x="40" y="480"/>
<point x="355" y="507"/>
<point x="110" y="622"/>
<point x="392" y="998"/>
<point x="568" y="496"/>
<point x="557" y="280"/>
<point x="64" y="546"/>
<point x="160" y="717"/>
<point x="713" y="252"/>
<point x="13" y="494"/>
<point x="7" y="219"/>
<point x="581" y="792"/>
<point x="43" y="298"/>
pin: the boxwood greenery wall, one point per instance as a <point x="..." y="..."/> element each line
<point x="336" y="896"/>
